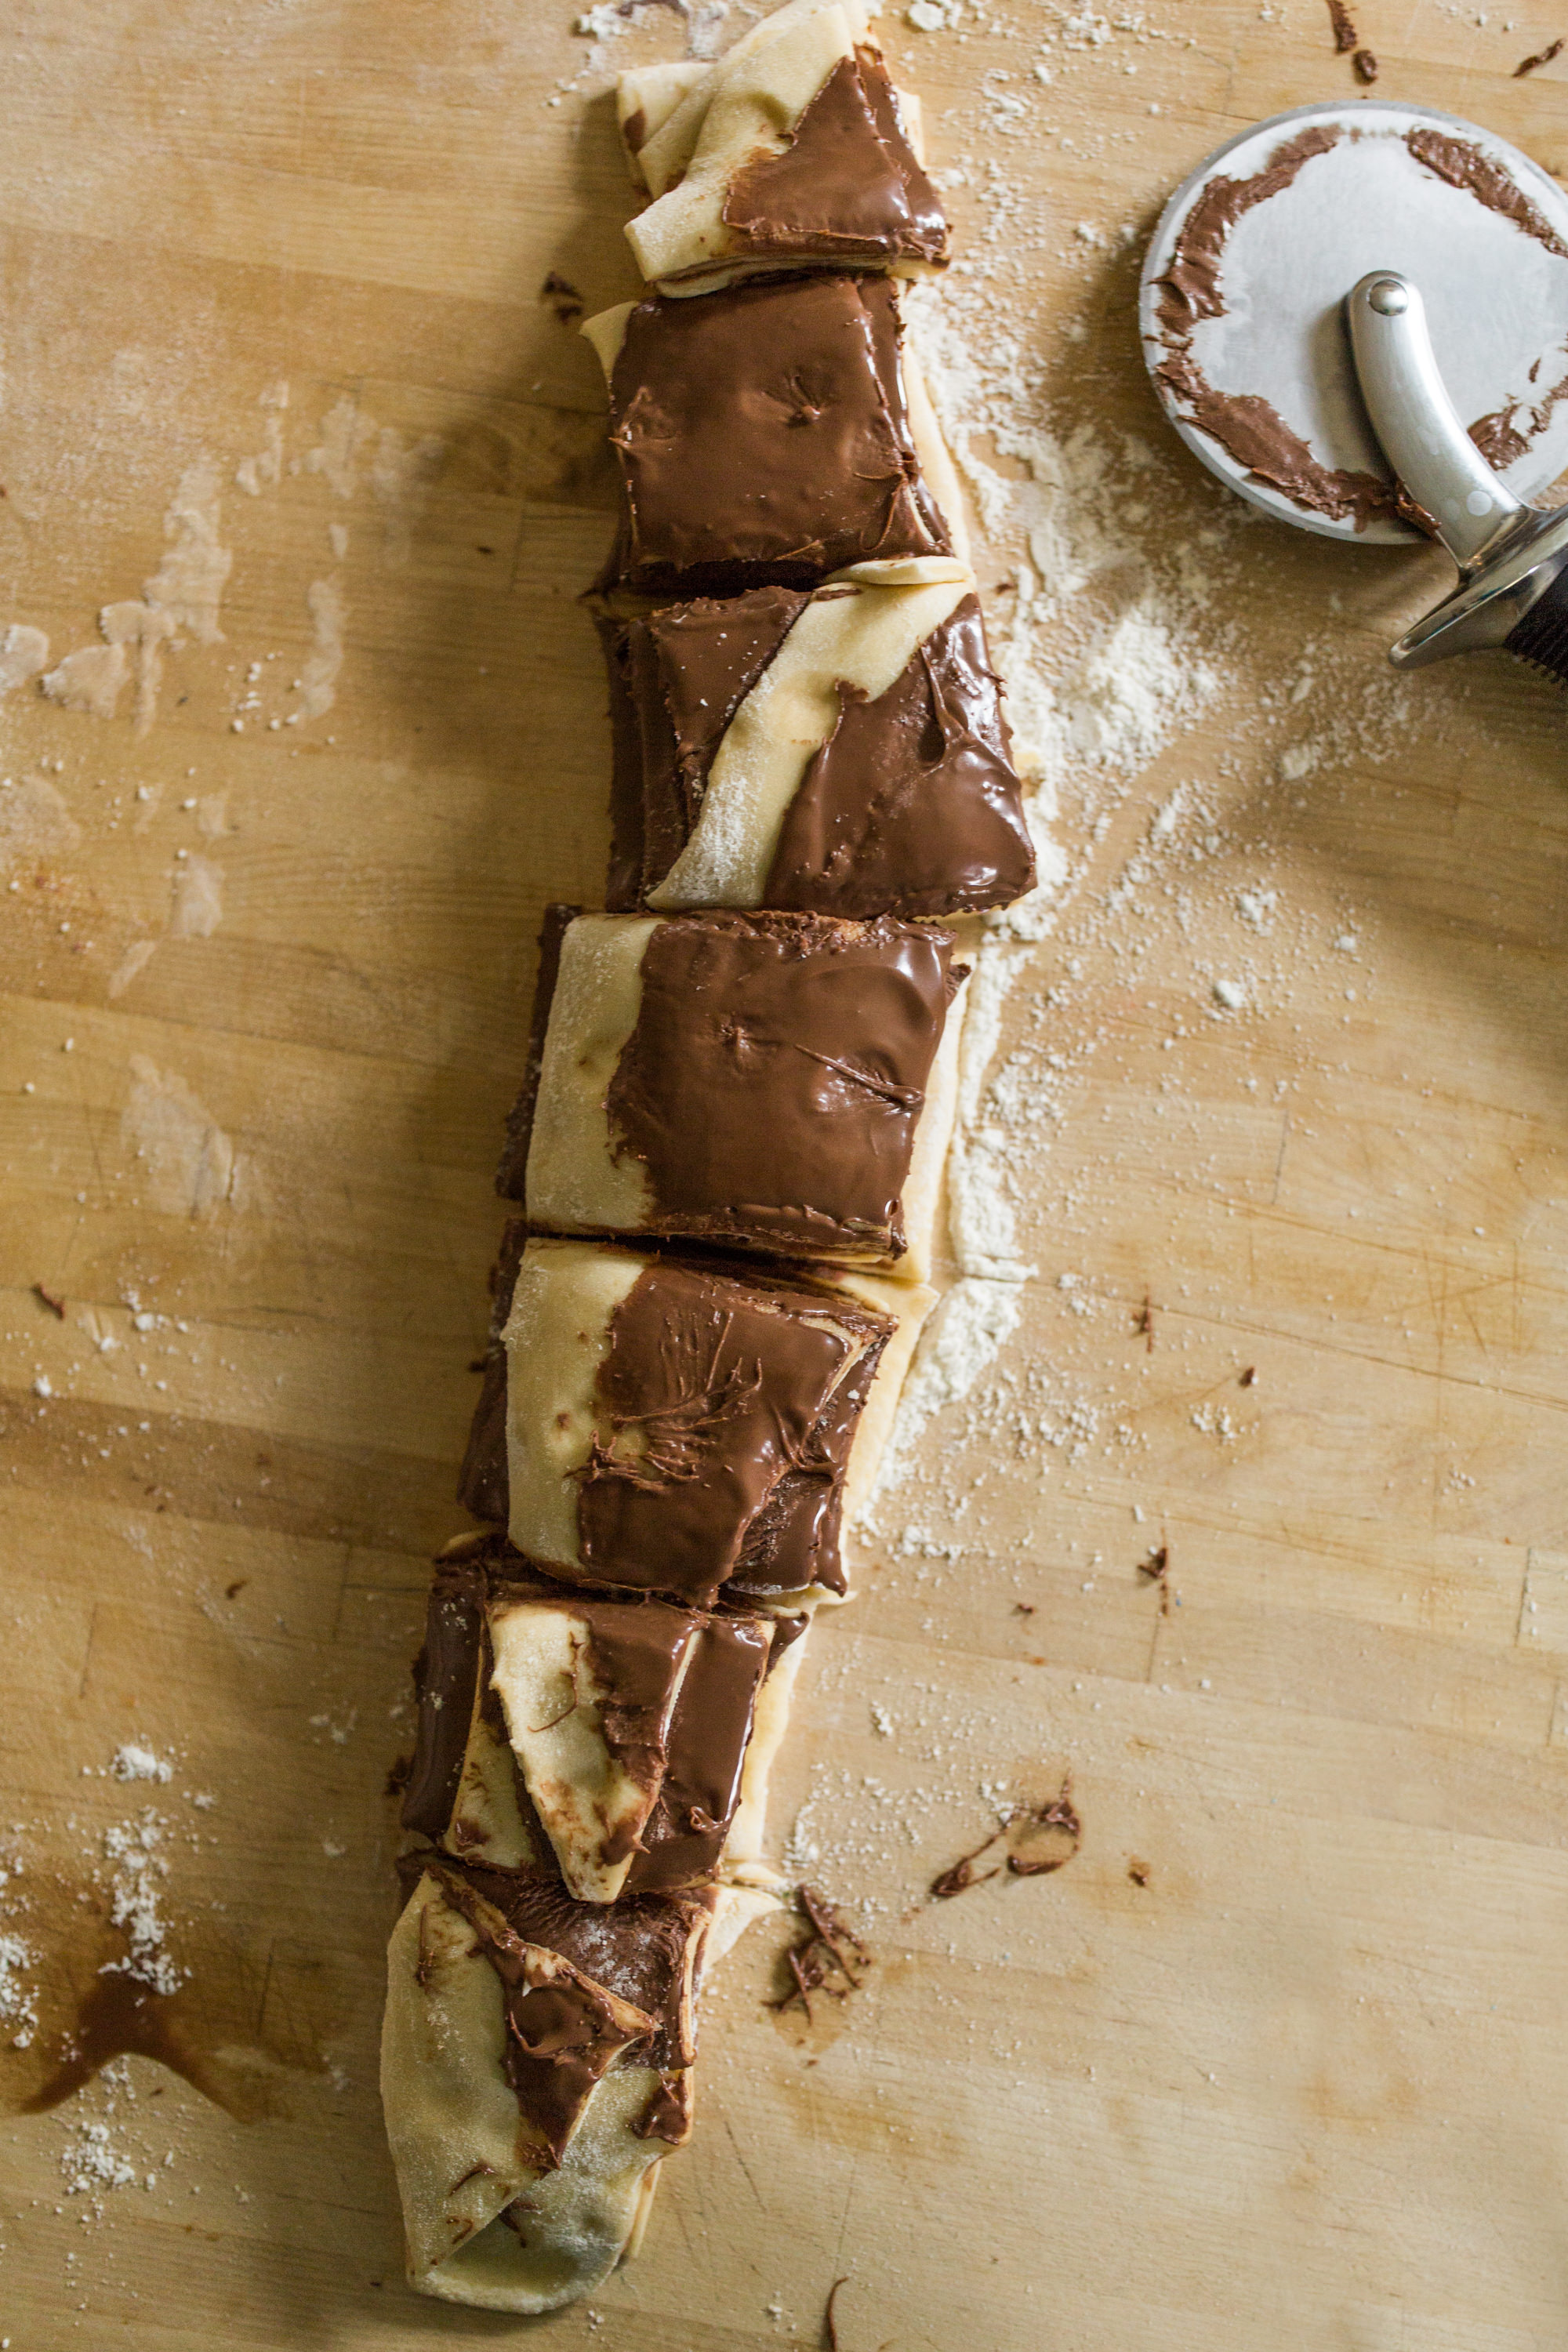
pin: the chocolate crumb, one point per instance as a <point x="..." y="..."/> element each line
<point x="830" y="2327"/>
<point x="1138" y="1872"/>
<point x="1365" y="66"/>
<point x="478" y="1363"/>
<point x="1144" y="1325"/>
<point x="1153" y="1569"/>
<point x="232" y="1592"/>
<point x="960" y="1875"/>
<point x="1023" y="1607"/>
<point x="57" y="1306"/>
<point x="1249" y="1376"/>
<point x="563" y="297"/>
<point x="1061" y="1813"/>
<point x="1541" y="58"/>
<point x="1027" y="1822"/>
<point x="1346" y="37"/>
<point x="831" y="1948"/>
<point x="397" y="1775"/>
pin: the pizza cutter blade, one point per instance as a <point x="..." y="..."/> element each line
<point x="1270" y="252"/>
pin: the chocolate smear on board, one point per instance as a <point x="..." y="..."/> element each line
<point x="829" y="2326"/>
<point x="1020" y="1830"/>
<point x="1541" y="58"/>
<point x="829" y="1958"/>
<point x="1154" y="1569"/>
<point x="1346" y="37"/>
<point x="563" y="297"/>
<point x="57" y="1306"/>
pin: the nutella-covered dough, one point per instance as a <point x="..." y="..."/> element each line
<point x="792" y="151"/>
<point x="681" y="1426"/>
<point x="774" y="1082"/>
<point x="593" y="1402"/>
<point x="612" y="1735"/>
<point x="536" y="2059"/>
<point x="839" y="752"/>
<point x="763" y="435"/>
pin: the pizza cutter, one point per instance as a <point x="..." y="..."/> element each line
<point x="1323" y="305"/>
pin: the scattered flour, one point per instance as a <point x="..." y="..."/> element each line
<point x="190" y="1160"/>
<point x="34" y="820"/>
<point x="135" y="1852"/>
<point x="23" y="652"/>
<point x="318" y="678"/>
<point x="135" y="1762"/>
<point x="198" y="907"/>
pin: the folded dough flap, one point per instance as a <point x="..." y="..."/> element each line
<point x="535" y="2063"/>
<point x="606" y="1738"/>
<point x="755" y="1080"/>
<point x="841" y="751"/>
<point x="680" y="1425"/>
<point x="792" y="151"/>
<point x="763" y="435"/>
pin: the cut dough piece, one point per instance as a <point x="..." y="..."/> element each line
<point x="763" y="435"/>
<point x="535" y="2063"/>
<point x="791" y="153"/>
<point x="606" y="1737"/>
<point x="773" y="1514"/>
<point x="663" y="1413"/>
<point x="762" y="1081"/>
<point x="840" y="753"/>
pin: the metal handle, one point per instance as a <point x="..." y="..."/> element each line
<point x="1416" y="422"/>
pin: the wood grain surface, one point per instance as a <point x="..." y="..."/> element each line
<point x="1278" y="2062"/>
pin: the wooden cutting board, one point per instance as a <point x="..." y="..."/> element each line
<point x="1277" y="2061"/>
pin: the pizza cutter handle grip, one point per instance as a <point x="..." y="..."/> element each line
<point x="1416" y="422"/>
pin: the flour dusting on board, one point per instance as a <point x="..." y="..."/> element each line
<point x="189" y="1159"/>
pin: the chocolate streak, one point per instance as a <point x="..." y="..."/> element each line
<point x="772" y="1082"/>
<point x="482" y="1486"/>
<point x="846" y="187"/>
<point x="1248" y="427"/>
<point x="688" y="1753"/>
<point x="691" y="668"/>
<point x="563" y="2033"/>
<point x="1465" y="166"/>
<point x="911" y="806"/>
<point x="711" y="1393"/>
<point x="762" y="435"/>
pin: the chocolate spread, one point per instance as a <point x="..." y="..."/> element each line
<point x="685" y="1747"/>
<point x="520" y="1118"/>
<point x="711" y="1392"/>
<point x="1248" y="427"/>
<point x="1465" y="166"/>
<point x="563" y="2034"/>
<point x="846" y="186"/>
<point x="911" y="806"/>
<point x="444" y="1675"/>
<point x="482" y="1481"/>
<point x="772" y="1082"/>
<point x="762" y="435"/>
<point x="690" y="668"/>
